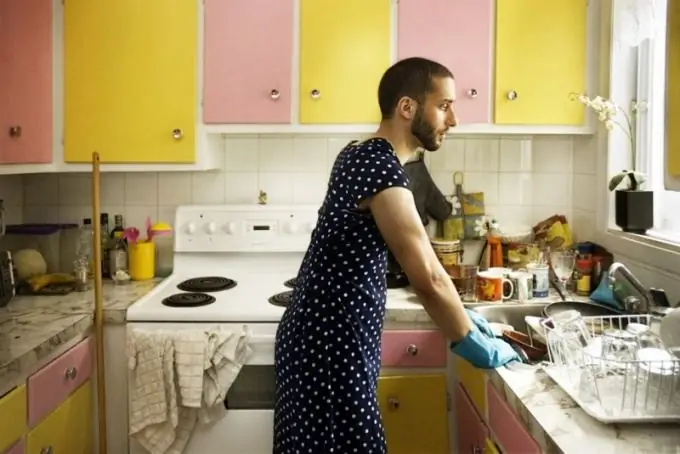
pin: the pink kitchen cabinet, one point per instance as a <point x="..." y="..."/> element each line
<point x="26" y="35"/>
<point x="247" y="61"/>
<point x="456" y="33"/>
<point x="472" y="432"/>
<point x="508" y="431"/>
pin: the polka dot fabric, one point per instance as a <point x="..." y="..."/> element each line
<point x="328" y="341"/>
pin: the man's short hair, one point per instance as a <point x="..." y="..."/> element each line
<point x="410" y="77"/>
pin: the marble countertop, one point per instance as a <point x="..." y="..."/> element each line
<point x="32" y="327"/>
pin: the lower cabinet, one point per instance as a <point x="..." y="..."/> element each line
<point x="67" y="429"/>
<point x="52" y="412"/>
<point x="414" y="411"/>
<point x="472" y="432"/>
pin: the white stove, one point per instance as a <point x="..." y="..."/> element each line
<point x="243" y="256"/>
<point x="258" y="248"/>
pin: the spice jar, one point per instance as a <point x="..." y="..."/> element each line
<point x="583" y="276"/>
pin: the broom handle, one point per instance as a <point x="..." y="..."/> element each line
<point x="98" y="309"/>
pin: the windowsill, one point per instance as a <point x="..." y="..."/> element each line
<point x="649" y="249"/>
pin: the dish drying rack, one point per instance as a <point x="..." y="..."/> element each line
<point x="613" y="390"/>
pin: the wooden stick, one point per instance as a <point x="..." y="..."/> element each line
<point x="98" y="309"/>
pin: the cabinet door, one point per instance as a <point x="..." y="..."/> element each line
<point x="247" y="70"/>
<point x="26" y="81"/>
<point x="12" y="416"/>
<point x="130" y="80"/>
<point x="540" y="60"/>
<point x="472" y="433"/>
<point x="474" y="382"/>
<point x="459" y="37"/>
<point x="344" y="51"/>
<point x="508" y="430"/>
<point x="414" y="413"/>
<point x="68" y="429"/>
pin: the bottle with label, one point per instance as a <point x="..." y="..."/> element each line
<point x="118" y="229"/>
<point x="105" y="243"/>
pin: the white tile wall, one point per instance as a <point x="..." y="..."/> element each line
<point x="585" y="190"/>
<point x="525" y="179"/>
<point x="12" y="193"/>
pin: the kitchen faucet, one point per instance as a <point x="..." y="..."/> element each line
<point x="644" y="304"/>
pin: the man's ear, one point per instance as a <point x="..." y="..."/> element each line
<point x="406" y="108"/>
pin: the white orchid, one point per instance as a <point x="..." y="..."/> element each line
<point x="455" y="203"/>
<point x="484" y="224"/>
<point x="606" y="111"/>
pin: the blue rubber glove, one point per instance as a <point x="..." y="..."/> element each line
<point x="484" y="352"/>
<point x="480" y="322"/>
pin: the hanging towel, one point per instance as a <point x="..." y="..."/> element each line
<point x="194" y="369"/>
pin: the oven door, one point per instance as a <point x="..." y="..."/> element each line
<point x="247" y="427"/>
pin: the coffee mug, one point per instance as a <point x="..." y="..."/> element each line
<point x="490" y="287"/>
<point x="523" y="283"/>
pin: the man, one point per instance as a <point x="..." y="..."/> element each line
<point x="328" y="342"/>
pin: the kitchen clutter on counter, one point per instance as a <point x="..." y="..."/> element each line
<point x="178" y="379"/>
<point x="56" y="259"/>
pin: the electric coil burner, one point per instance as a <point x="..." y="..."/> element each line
<point x="281" y="299"/>
<point x="207" y="284"/>
<point x="291" y="283"/>
<point x="191" y="299"/>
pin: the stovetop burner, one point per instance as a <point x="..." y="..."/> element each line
<point x="207" y="284"/>
<point x="291" y="283"/>
<point x="191" y="299"/>
<point x="281" y="299"/>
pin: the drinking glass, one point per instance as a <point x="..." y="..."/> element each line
<point x="563" y="262"/>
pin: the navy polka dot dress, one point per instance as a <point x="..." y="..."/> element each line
<point x="328" y="341"/>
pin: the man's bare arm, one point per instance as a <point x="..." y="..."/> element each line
<point x="397" y="218"/>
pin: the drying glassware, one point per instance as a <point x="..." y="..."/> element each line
<point x="563" y="261"/>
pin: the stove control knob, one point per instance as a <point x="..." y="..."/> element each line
<point x="291" y="227"/>
<point x="211" y="227"/>
<point x="230" y="228"/>
<point x="191" y="228"/>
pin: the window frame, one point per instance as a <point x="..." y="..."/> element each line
<point x="631" y="77"/>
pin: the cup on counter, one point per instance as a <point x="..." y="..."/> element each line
<point x="142" y="257"/>
<point x="523" y="283"/>
<point x="491" y="287"/>
<point x="465" y="279"/>
<point x="541" y="274"/>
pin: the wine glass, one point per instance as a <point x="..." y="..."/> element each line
<point x="563" y="262"/>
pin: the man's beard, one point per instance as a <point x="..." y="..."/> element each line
<point x="424" y="132"/>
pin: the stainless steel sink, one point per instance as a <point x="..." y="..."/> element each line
<point x="511" y="314"/>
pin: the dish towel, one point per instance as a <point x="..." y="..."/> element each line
<point x="179" y="378"/>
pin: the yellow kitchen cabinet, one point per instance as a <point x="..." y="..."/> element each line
<point x="345" y="47"/>
<point x="474" y="382"/>
<point x="490" y="447"/>
<point x="68" y="429"/>
<point x="414" y="413"/>
<point x="12" y="416"/>
<point x="130" y="80"/>
<point x="540" y="60"/>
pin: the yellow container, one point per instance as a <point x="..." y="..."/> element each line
<point x="142" y="261"/>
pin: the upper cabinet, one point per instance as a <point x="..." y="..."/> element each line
<point x="540" y="60"/>
<point x="130" y="70"/>
<point x="345" y="46"/>
<point x="456" y="33"/>
<point x="247" y="69"/>
<point x="26" y="36"/>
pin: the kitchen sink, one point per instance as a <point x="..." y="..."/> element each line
<point x="508" y="313"/>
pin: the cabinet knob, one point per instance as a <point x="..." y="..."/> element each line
<point x="274" y="94"/>
<point x="47" y="450"/>
<point x="393" y="402"/>
<point x="15" y="131"/>
<point x="412" y="349"/>
<point x="177" y="133"/>
<point x="71" y="373"/>
<point x="512" y="95"/>
<point x="472" y="93"/>
<point x="476" y="450"/>
<point x="315" y="93"/>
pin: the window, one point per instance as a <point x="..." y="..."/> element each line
<point x="656" y="142"/>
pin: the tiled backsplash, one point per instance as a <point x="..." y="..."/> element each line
<point x="524" y="179"/>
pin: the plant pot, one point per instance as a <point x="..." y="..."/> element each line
<point x="634" y="210"/>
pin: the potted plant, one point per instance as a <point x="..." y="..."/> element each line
<point x="633" y="205"/>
